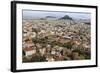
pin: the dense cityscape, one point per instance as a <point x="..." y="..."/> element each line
<point x="50" y="39"/>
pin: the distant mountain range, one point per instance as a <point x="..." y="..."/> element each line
<point x="50" y="17"/>
<point x="66" y="17"/>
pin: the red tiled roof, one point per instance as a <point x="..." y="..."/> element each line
<point x="28" y="49"/>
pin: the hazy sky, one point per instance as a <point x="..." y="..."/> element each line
<point x="41" y="14"/>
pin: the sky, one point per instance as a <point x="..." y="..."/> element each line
<point x="29" y="14"/>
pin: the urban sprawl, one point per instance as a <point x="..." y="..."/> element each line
<point x="47" y="40"/>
